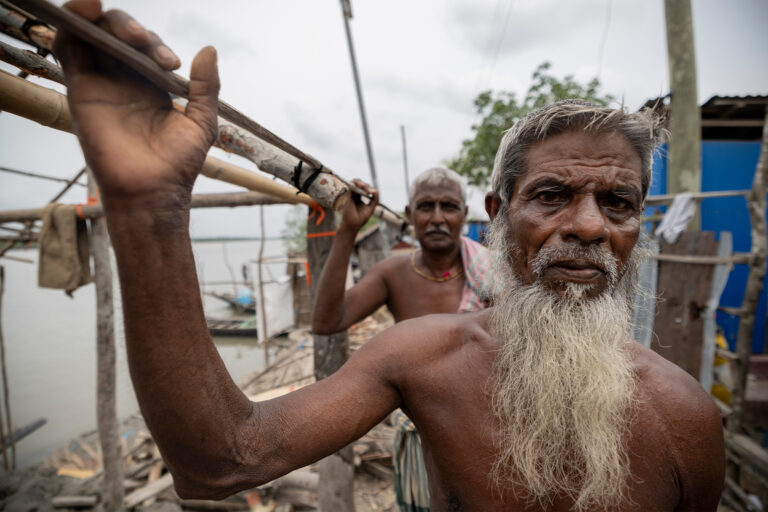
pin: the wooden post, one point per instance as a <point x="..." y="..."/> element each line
<point x="106" y="409"/>
<point x="262" y="303"/>
<point x="5" y="380"/>
<point x="684" y="156"/>
<point x="756" y="205"/>
<point x="335" y="492"/>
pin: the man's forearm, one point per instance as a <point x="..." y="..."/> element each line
<point x="328" y="313"/>
<point x="191" y="405"/>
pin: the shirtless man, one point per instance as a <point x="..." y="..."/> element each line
<point x="431" y="280"/>
<point x="540" y="403"/>
<point x="447" y="275"/>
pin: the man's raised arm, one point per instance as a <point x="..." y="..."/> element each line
<point x="146" y="156"/>
<point x="335" y="308"/>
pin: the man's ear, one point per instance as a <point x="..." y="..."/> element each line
<point x="492" y="204"/>
<point x="408" y="213"/>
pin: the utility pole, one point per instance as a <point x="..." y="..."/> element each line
<point x="346" y="10"/>
<point x="405" y="163"/>
<point x="684" y="156"/>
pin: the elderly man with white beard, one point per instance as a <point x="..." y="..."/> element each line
<point x="540" y="403"/>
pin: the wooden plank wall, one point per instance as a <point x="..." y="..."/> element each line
<point x="683" y="290"/>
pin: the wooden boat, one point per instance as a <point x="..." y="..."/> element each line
<point x="232" y="326"/>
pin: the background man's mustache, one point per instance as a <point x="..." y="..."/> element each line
<point x="437" y="229"/>
<point x="591" y="253"/>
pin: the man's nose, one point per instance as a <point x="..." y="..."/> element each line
<point x="438" y="216"/>
<point x="585" y="222"/>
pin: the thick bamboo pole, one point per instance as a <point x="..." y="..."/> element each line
<point x="228" y="200"/>
<point x="49" y="108"/>
<point x="756" y="204"/>
<point x="106" y="357"/>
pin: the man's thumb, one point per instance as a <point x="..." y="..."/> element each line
<point x="204" y="91"/>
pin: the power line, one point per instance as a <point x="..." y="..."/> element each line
<point x="606" y="29"/>
<point x="510" y="6"/>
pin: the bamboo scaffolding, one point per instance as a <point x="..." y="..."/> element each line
<point x="39" y="176"/>
<point x="31" y="62"/>
<point x="747" y="452"/>
<point x="228" y="200"/>
<point x="13" y="23"/>
<point x="756" y="204"/>
<point x="49" y="108"/>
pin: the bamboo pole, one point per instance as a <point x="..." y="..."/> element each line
<point x="69" y="184"/>
<point x="5" y="381"/>
<point x="165" y="80"/>
<point x="49" y="108"/>
<point x="106" y="357"/>
<point x="31" y="62"/>
<point x="37" y="34"/>
<point x="262" y="302"/>
<point x="756" y="203"/>
<point x="229" y="200"/>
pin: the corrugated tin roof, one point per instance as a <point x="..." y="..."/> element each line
<point x="725" y="117"/>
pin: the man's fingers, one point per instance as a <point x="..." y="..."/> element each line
<point x="88" y="9"/>
<point x="124" y="27"/>
<point x="203" y="103"/>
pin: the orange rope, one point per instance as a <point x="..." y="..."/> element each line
<point x="91" y="201"/>
<point x="306" y="273"/>
<point x="321" y="234"/>
<point x="316" y="208"/>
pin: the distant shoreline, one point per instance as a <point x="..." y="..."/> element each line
<point x="236" y="239"/>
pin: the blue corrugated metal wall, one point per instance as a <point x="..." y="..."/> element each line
<point x="726" y="165"/>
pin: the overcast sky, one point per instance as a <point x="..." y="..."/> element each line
<point x="285" y="64"/>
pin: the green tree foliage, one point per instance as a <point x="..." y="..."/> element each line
<point x="295" y="231"/>
<point x="500" y="110"/>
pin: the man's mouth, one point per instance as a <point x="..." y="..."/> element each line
<point x="578" y="270"/>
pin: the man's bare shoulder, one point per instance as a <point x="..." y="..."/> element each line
<point x="418" y="343"/>
<point x="669" y="387"/>
<point x="392" y="266"/>
<point x="686" y="418"/>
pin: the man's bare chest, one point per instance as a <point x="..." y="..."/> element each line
<point x="412" y="296"/>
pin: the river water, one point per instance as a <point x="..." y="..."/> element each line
<point x="50" y="344"/>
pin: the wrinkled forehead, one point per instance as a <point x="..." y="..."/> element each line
<point x="445" y="190"/>
<point x="583" y="159"/>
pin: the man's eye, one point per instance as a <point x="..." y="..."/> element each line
<point x="550" y="196"/>
<point x="617" y="203"/>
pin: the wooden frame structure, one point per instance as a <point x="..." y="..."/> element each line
<point x="237" y="133"/>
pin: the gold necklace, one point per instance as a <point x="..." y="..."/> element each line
<point x="445" y="277"/>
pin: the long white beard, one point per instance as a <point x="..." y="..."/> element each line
<point x="564" y="386"/>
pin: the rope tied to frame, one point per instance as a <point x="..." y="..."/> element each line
<point x="92" y="200"/>
<point x="313" y="209"/>
<point x="296" y="178"/>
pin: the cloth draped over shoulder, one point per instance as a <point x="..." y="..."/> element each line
<point x="411" y="485"/>
<point x="478" y="282"/>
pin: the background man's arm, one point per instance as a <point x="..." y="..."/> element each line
<point x="146" y="156"/>
<point x="335" y="308"/>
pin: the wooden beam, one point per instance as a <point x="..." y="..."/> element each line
<point x="106" y="361"/>
<point x="220" y="200"/>
<point x="335" y="491"/>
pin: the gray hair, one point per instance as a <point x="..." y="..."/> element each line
<point x="436" y="176"/>
<point x="642" y="130"/>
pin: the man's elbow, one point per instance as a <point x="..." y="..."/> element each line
<point x="324" y="327"/>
